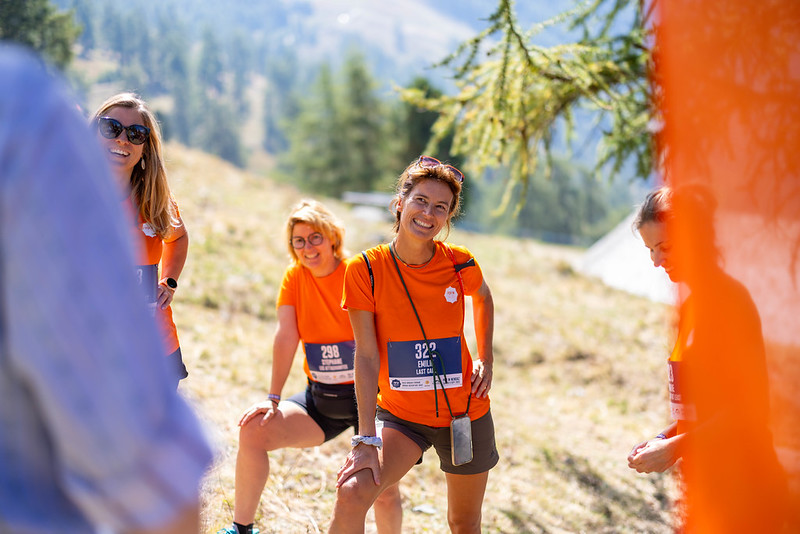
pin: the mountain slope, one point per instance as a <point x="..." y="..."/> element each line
<point x="579" y="373"/>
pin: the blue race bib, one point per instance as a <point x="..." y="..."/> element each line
<point x="331" y="363"/>
<point x="411" y="364"/>
<point x="147" y="278"/>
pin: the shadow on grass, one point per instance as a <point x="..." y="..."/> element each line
<point x="602" y="498"/>
<point x="578" y="469"/>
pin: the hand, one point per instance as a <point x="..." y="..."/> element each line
<point x="654" y="456"/>
<point x="268" y="408"/>
<point x="165" y="295"/>
<point x="361" y="457"/>
<point x="481" y="378"/>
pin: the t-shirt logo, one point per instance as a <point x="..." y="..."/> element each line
<point x="451" y="295"/>
<point x="148" y="230"/>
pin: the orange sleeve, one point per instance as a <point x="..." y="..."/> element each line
<point x="357" y="292"/>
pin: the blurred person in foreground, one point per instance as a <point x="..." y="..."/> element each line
<point x="130" y="137"/>
<point x="406" y="305"/>
<point x="718" y="383"/>
<point x="93" y="436"/>
<point x="309" y="310"/>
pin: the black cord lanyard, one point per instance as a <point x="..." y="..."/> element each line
<point x="432" y="353"/>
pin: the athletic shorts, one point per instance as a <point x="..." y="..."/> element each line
<point x="484" y="450"/>
<point x="331" y="427"/>
<point x="176" y="366"/>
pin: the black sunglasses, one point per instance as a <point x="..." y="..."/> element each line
<point x="314" y="239"/>
<point x="111" y="128"/>
<point x="427" y="161"/>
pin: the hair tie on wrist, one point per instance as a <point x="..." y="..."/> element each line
<point x="274" y="398"/>
<point x="661" y="436"/>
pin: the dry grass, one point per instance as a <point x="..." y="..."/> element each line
<point x="579" y="373"/>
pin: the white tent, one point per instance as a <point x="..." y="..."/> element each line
<point x="621" y="260"/>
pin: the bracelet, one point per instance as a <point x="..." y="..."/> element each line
<point x="373" y="441"/>
<point x="274" y="398"/>
<point x="661" y="436"/>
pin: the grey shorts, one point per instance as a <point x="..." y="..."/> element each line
<point x="484" y="450"/>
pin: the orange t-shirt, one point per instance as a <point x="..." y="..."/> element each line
<point x="407" y="371"/>
<point x="148" y="247"/>
<point x="682" y="409"/>
<point x="323" y="325"/>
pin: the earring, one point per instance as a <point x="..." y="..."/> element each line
<point x="142" y="162"/>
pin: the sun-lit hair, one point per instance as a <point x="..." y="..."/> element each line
<point x="320" y="218"/>
<point x="656" y="207"/>
<point x="415" y="174"/>
<point x="149" y="185"/>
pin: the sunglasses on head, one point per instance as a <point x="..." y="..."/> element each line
<point x="314" y="239"/>
<point x="429" y="162"/>
<point x="111" y="128"/>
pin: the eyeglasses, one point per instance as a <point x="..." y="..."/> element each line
<point x="429" y="162"/>
<point x="111" y="128"/>
<point x="314" y="239"/>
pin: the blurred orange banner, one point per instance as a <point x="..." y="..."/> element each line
<point x="727" y="85"/>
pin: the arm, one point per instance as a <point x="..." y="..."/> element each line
<point x="483" y="316"/>
<point x="367" y="367"/>
<point x="284" y="347"/>
<point x="173" y="258"/>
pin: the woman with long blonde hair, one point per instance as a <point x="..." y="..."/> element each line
<point x="131" y="138"/>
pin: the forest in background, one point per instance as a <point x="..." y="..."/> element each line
<point x="266" y="86"/>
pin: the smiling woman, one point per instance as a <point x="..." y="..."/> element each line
<point x="406" y="305"/>
<point x="309" y="310"/>
<point x="131" y="140"/>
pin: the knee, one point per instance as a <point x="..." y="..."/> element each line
<point x="356" y="494"/>
<point x="468" y="524"/>
<point x="252" y="437"/>
<point x="390" y="497"/>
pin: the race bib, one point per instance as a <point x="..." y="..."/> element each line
<point x="331" y="363"/>
<point x="411" y="364"/>
<point x="679" y="408"/>
<point x="147" y="278"/>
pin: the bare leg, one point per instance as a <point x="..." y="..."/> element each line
<point x="291" y="427"/>
<point x="357" y="494"/>
<point x="464" y="501"/>
<point x="389" y="511"/>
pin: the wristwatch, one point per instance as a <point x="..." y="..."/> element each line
<point x="373" y="441"/>
<point x="172" y="283"/>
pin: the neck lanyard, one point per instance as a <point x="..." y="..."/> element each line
<point x="434" y="354"/>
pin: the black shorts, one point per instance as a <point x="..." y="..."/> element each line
<point x="176" y="367"/>
<point x="330" y="426"/>
<point x="484" y="450"/>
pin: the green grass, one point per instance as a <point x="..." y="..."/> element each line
<point x="580" y="374"/>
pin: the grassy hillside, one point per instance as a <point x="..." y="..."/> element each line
<point x="579" y="373"/>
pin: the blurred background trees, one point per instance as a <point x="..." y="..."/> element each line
<point x="256" y="82"/>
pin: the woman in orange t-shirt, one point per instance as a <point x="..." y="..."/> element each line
<point x="309" y="310"/>
<point x="128" y="131"/>
<point x="406" y="304"/>
<point x="718" y="384"/>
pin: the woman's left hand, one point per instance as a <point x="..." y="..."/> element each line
<point x="481" y="378"/>
<point x="165" y="295"/>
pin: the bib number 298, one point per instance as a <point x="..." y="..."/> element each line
<point x="329" y="351"/>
